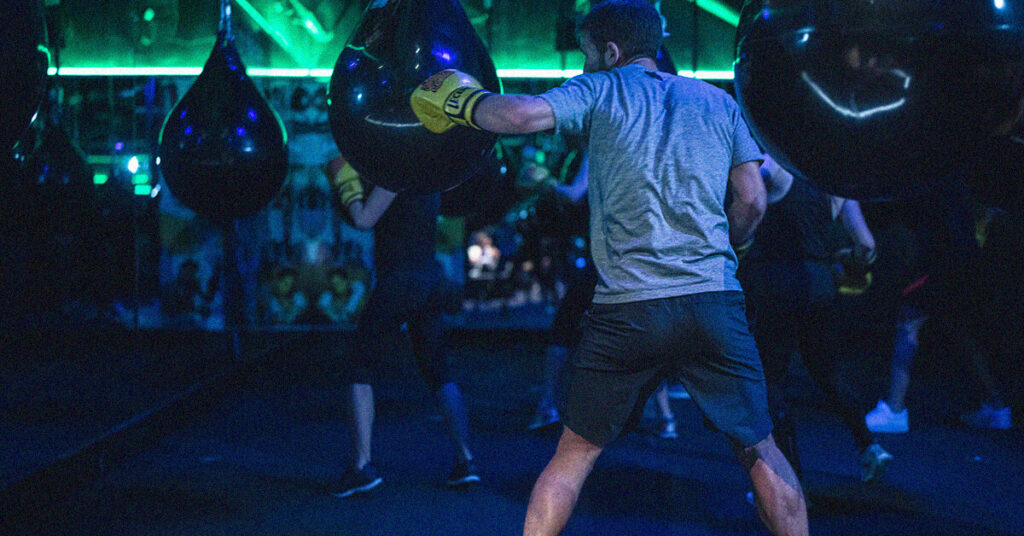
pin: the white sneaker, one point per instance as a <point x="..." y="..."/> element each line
<point x="990" y="417"/>
<point x="882" y="420"/>
<point x="873" y="462"/>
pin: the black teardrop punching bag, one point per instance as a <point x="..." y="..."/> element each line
<point x="24" y="60"/>
<point x="222" y="149"/>
<point x="488" y="193"/>
<point x="875" y="100"/>
<point x="397" y="45"/>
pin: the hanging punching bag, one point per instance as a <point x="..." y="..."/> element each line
<point x="222" y="148"/>
<point x="397" y="45"/>
<point x="24" y="60"/>
<point x="874" y="100"/>
<point x="487" y="193"/>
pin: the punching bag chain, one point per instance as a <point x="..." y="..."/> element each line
<point x="225" y="19"/>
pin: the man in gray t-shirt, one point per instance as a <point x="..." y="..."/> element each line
<point x="663" y="150"/>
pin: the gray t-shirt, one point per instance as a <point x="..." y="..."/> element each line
<point x="660" y="148"/>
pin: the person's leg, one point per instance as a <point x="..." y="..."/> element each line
<point x="565" y="334"/>
<point x="425" y="334"/>
<point x="611" y="376"/>
<point x="361" y="415"/>
<point x="666" y="419"/>
<point x="661" y="398"/>
<point x="779" y="498"/>
<point x="377" y="321"/>
<point x="890" y="415"/>
<point x="902" y="358"/>
<point x="771" y="301"/>
<point x="993" y="413"/>
<point x="818" y="336"/>
<point x="558" y="486"/>
<point x="374" y="324"/>
<point x="554" y="360"/>
<point x="723" y="373"/>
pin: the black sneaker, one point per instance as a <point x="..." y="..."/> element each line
<point x="358" y="481"/>
<point x="463" y="474"/>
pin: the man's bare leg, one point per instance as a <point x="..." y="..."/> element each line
<point x="361" y="421"/>
<point x="780" y="501"/>
<point x="558" y="486"/>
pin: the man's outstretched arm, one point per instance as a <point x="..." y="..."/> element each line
<point x="451" y="98"/>
<point x="514" y="114"/>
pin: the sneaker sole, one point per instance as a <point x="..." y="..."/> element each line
<point x="464" y="480"/>
<point x="876" y="472"/>
<point x="360" y="489"/>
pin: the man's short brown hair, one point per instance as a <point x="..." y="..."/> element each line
<point x="633" y="25"/>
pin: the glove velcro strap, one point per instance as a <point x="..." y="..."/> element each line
<point x="460" y="104"/>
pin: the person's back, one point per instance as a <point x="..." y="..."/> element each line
<point x="405" y="235"/>
<point x="799" y="227"/>
<point x="661" y="148"/>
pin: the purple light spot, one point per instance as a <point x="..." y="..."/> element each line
<point x="183" y="112"/>
<point x="252" y="114"/>
<point x="188" y="130"/>
<point x="119" y="146"/>
<point x="240" y="131"/>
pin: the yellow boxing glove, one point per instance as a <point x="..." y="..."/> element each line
<point x="345" y="180"/>
<point x="446" y="99"/>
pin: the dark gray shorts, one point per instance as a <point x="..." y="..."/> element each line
<point x="629" y="348"/>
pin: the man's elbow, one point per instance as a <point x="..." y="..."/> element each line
<point x="755" y="205"/>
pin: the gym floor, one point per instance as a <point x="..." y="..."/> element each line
<point x="263" y="456"/>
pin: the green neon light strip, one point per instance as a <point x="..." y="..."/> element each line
<point x="720" y="10"/>
<point x="326" y="73"/>
<point x="100" y="178"/>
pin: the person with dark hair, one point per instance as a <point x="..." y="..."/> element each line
<point x="662" y="152"/>
<point x="410" y="290"/>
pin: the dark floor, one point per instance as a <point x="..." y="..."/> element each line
<point x="264" y="456"/>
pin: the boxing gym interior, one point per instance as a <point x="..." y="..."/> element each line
<point x="182" y="287"/>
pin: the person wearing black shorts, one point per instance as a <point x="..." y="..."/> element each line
<point x="662" y="150"/>
<point x="409" y="289"/>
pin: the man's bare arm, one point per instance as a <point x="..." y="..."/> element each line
<point x="365" y="213"/>
<point x="514" y="114"/>
<point x="749" y="201"/>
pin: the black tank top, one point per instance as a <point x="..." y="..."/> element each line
<point x="405" y="235"/>
<point x="798" y="227"/>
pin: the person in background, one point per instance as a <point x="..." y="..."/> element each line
<point x="409" y="289"/>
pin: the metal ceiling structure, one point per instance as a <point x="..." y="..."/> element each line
<point x="304" y="37"/>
